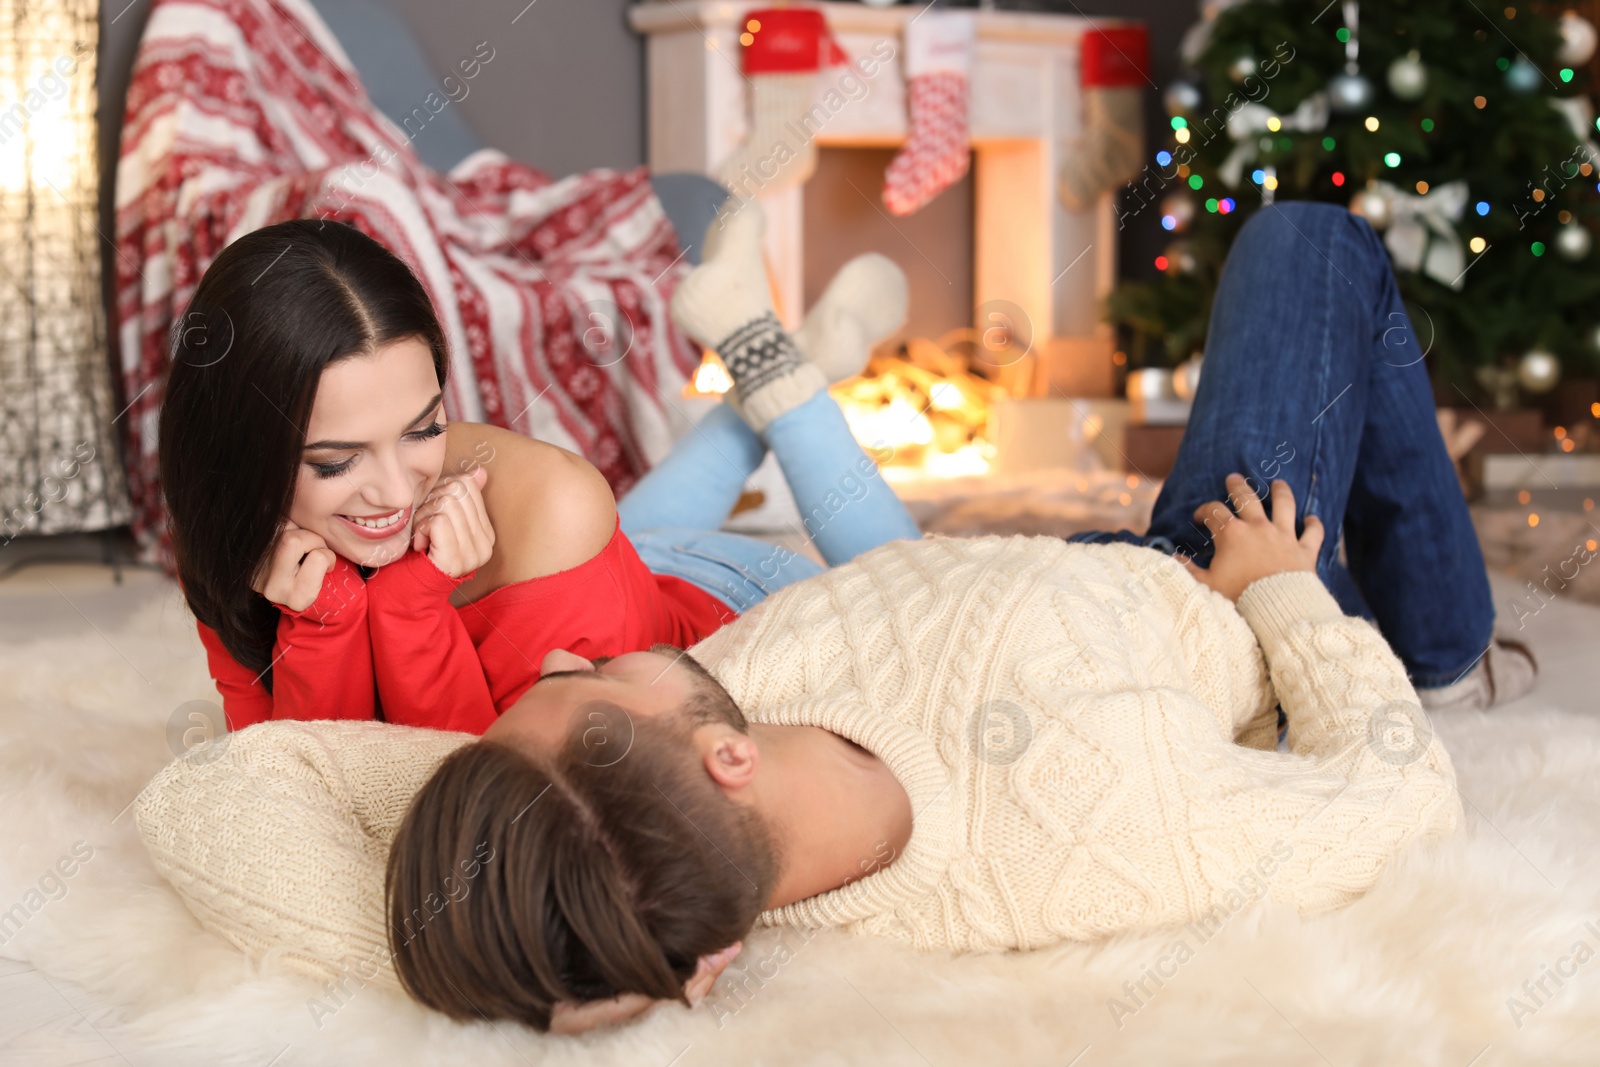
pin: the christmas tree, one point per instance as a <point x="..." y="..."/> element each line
<point x="1461" y="132"/>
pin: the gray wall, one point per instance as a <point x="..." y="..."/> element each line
<point x="565" y="90"/>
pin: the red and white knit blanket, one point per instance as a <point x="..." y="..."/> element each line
<point x="242" y="113"/>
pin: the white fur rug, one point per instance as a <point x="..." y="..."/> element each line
<point x="1428" y="969"/>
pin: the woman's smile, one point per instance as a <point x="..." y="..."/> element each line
<point x="379" y="527"/>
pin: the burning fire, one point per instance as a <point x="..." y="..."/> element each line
<point x="920" y="415"/>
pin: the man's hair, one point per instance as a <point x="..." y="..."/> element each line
<point x="610" y="866"/>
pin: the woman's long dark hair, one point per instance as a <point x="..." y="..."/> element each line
<point x="273" y="310"/>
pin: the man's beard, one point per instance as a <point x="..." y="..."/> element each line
<point x="708" y="702"/>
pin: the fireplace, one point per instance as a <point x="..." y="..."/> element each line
<point x="995" y="256"/>
<point x="1053" y="266"/>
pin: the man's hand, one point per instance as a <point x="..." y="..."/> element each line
<point x="1250" y="545"/>
<point x="570" y="1017"/>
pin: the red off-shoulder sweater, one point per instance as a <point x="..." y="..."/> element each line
<point x="392" y="646"/>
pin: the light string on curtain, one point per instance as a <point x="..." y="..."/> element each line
<point x="59" y="465"/>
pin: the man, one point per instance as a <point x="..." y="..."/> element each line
<point x="647" y="826"/>
<point x="963" y="744"/>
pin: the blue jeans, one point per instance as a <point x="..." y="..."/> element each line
<point x="1312" y="374"/>
<point x="672" y="515"/>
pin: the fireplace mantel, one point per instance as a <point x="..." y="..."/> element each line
<point x="1026" y="26"/>
<point x="1024" y="115"/>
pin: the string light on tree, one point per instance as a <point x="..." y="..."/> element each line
<point x="1269" y="184"/>
<point x="1573" y="241"/>
<point x="1177" y="211"/>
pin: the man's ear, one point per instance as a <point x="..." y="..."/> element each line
<point x="731" y="758"/>
<point x="572" y="1017"/>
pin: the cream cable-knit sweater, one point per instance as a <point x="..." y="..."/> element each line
<point x="1085" y="732"/>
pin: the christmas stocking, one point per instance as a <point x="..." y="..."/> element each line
<point x="1112" y="68"/>
<point x="783" y="50"/>
<point x="939" y="47"/>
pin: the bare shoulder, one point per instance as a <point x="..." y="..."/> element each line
<point x="550" y="508"/>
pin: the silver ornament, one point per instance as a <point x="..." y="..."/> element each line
<point x="1538" y="370"/>
<point x="1179" y="207"/>
<point x="1182" y="98"/>
<point x="1594" y="338"/>
<point x="1408" y="78"/>
<point x="1242" y="68"/>
<point x="1349" y="92"/>
<point x="1372" y="206"/>
<point x="1523" y="77"/>
<point x="1573" y="241"/>
<point x="1577" y="40"/>
<point x="1181" y="258"/>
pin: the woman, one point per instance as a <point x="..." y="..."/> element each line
<point x="349" y="553"/>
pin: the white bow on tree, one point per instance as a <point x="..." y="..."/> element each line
<point x="1252" y="120"/>
<point x="1422" y="233"/>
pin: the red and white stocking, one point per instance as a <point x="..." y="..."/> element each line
<point x="1113" y="71"/>
<point x="783" y="50"/>
<point x="939" y="47"/>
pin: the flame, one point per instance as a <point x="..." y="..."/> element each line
<point x="920" y="414"/>
<point x="710" y="377"/>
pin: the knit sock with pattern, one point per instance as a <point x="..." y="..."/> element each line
<point x="864" y="304"/>
<point x="725" y="305"/>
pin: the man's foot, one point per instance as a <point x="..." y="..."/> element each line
<point x="1504" y="673"/>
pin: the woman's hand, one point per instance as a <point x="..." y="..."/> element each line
<point x="292" y="576"/>
<point x="452" y="524"/>
<point x="570" y="1017"/>
<point x="1250" y="545"/>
